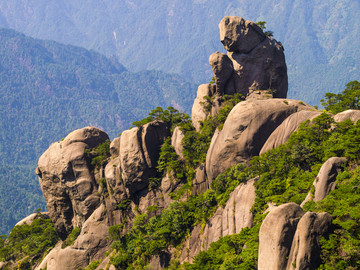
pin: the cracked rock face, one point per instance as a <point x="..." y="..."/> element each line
<point x="139" y="152"/>
<point x="66" y="179"/>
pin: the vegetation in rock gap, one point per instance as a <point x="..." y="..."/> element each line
<point x="99" y="154"/>
<point x="71" y="237"/>
<point x="28" y="243"/>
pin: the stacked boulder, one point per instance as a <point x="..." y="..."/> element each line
<point x="253" y="62"/>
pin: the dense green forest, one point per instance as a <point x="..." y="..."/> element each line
<point x="48" y="89"/>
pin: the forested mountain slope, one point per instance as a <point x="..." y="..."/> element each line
<point x="47" y="89"/>
<point x="178" y="36"/>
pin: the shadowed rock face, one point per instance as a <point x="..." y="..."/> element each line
<point x="227" y="220"/>
<point x="305" y="249"/>
<point x="276" y="235"/>
<point x="68" y="184"/>
<point x="283" y="132"/>
<point x="258" y="61"/>
<point x="245" y="131"/>
<point x="139" y="152"/>
<point x="238" y="35"/>
<point x="325" y="181"/>
<point x="253" y="62"/>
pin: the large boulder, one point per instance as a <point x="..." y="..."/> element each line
<point x="246" y="130"/>
<point x="199" y="113"/>
<point x="67" y="181"/>
<point x="258" y="61"/>
<point x="353" y="115"/>
<point x="305" y="249"/>
<point x="325" y="181"/>
<point x="290" y="125"/>
<point x="276" y="235"/>
<point x="223" y="68"/>
<point x="139" y="152"/>
<point x="238" y="35"/>
<point x="176" y="141"/>
<point x="90" y="245"/>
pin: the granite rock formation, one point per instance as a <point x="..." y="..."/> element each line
<point x="253" y="62"/>
<point x="245" y="131"/>
<point x="227" y="220"/>
<point x="67" y="180"/>
<point x="325" y="181"/>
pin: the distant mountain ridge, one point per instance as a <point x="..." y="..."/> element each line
<point x="178" y="36"/>
<point x="48" y="89"/>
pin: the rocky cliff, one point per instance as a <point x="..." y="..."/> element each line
<point x="163" y="192"/>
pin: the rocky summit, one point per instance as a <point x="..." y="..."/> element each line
<point x="168" y="192"/>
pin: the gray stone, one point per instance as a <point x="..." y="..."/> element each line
<point x="305" y="249"/>
<point x="115" y="147"/>
<point x="282" y="133"/>
<point x="238" y="35"/>
<point x="176" y="141"/>
<point x="139" y="152"/>
<point x="246" y="130"/>
<point x="198" y="113"/>
<point x="66" y="179"/>
<point x="276" y="234"/>
<point x="353" y="115"/>
<point x="325" y="181"/>
<point x="223" y="68"/>
<point x="227" y="220"/>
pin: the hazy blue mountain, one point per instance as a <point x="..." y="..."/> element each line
<point x="47" y="90"/>
<point x="320" y="37"/>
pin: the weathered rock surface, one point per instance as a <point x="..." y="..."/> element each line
<point x="198" y="112"/>
<point x="90" y="245"/>
<point x="238" y="35"/>
<point x="176" y="141"/>
<point x="276" y="235"/>
<point x="282" y="133"/>
<point x="305" y="249"/>
<point x="264" y="68"/>
<point x="139" y="152"/>
<point x="200" y="183"/>
<point x="229" y="220"/>
<point x="223" y="68"/>
<point x="258" y="61"/>
<point x="325" y="181"/>
<point x="353" y="115"/>
<point x="66" y="180"/>
<point x="246" y="130"/>
<point x="115" y="147"/>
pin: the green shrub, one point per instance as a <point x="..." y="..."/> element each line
<point x="71" y="237"/>
<point x="29" y="242"/>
